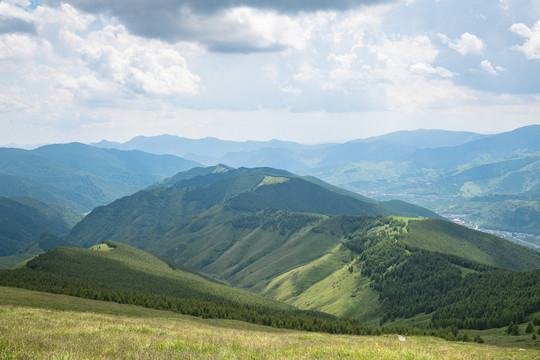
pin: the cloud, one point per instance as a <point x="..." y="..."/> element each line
<point x="235" y="26"/>
<point x="531" y="47"/>
<point x="139" y="65"/>
<point x="20" y="46"/>
<point x="467" y="44"/>
<point x="161" y="7"/>
<point x="15" y="25"/>
<point x="487" y="67"/>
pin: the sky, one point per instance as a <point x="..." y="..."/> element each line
<point x="307" y="71"/>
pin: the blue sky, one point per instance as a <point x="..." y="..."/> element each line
<point x="313" y="71"/>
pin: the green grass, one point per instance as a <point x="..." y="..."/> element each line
<point x="449" y="238"/>
<point x="35" y="325"/>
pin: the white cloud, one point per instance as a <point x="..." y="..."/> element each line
<point x="467" y="44"/>
<point x="74" y="68"/>
<point x="487" y="67"/>
<point x="141" y="65"/>
<point x="531" y="47"/>
<point x="22" y="47"/>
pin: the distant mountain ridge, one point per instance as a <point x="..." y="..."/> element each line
<point x="290" y="155"/>
<point x="81" y="176"/>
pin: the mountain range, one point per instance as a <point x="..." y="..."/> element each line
<point x="293" y="241"/>
<point x="454" y="173"/>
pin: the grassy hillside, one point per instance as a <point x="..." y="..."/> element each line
<point x="389" y="268"/>
<point x="118" y="267"/>
<point x="178" y="205"/>
<point x="449" y="238"/>
<point x="22" y="220"/>
<point x="38" y="325"/>
<point x="122" y="274"/>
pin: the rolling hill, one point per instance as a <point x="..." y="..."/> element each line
<point x="120" y="273"/>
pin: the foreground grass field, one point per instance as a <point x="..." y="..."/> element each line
<point x="37" y="325"/>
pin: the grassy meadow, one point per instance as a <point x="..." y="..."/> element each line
<point x="36" y="325"/>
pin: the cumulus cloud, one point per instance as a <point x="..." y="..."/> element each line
<point x="467" y="44"/>
<point x="241" y="26"/>
<point x="140" y="65"/>
<point x="487" y="67"/>
<point x="531" y="47"/>
<point x="20" y="46"/>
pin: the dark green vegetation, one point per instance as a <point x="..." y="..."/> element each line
<point x="23" y="219"/>
<point x="81" y="176"/>
<point x="293" y="239"/>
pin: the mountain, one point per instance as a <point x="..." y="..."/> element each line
<point x="223" y="192"/>
<point x="116" y="267"/>
<point x="428" y="138"/>
<point x="207" y="150"/>
<point x="22" y="220"/>
<point x="290" y="155"/>
<point x="300" y="241"/>
<point x="522" y="141"/>
<point x="435" y="169"/>
<point x="82" y="176"/>
<point x="384" y="269"/>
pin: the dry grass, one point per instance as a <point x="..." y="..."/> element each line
<point x="33" y="333"/>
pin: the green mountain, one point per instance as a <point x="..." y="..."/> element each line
<point x="428" y="271"/>
<point x="22" y="220"/>
<point x="81" y="176"/>
<point x="305" y="243"/>
<point x="218" y="193"/>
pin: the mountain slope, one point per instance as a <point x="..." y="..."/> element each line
<point x="22" y="220"/>
<point x="389" y="268"/>
<point x="148" y="217"/>
<point x="117" y="266"/>
<point x="82" y="176"/>
<point x="120" y="273"/>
